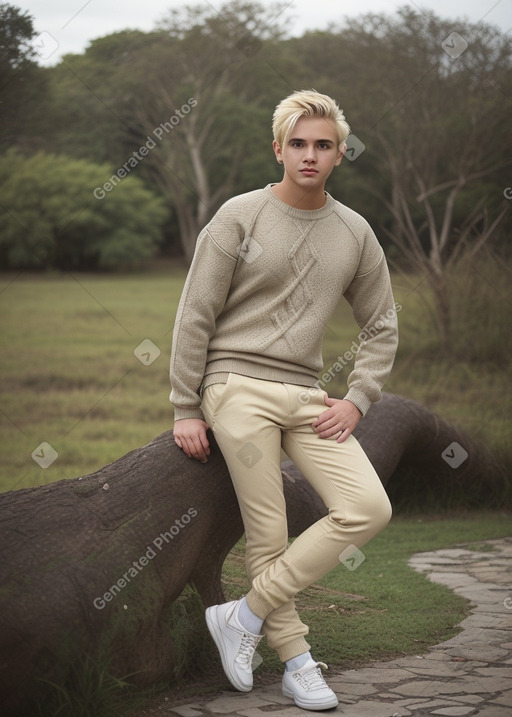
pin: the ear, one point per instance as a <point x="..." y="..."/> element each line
<point x="341" y="152"/>
<point x="277" y="152"/>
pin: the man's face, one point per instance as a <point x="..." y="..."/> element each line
<point x="311" y="152"/>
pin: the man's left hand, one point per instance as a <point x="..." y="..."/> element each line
<point x="342" y="417"/>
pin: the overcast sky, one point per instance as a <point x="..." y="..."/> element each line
<point x="69" y="25"/>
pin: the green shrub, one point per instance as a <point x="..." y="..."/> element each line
<point x="56" y="214"/>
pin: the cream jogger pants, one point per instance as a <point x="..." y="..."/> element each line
<point x="251" y="419"/>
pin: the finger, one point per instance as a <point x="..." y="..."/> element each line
<point x="199" y="451"/>
<point x="330" y="432"/>
<point x="326" y="424"/>
<point x="344" y="435"/>
<point x="185" y="447"/>
<point x="205" y="443"/>
<point x="322" y="418"/>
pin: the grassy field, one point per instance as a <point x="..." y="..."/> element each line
<point x="69" y="376"/>
<point x="382" y="610"/>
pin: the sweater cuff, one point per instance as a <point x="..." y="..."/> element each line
<point x="359" y="399"/>
<point x="180" y="413"/>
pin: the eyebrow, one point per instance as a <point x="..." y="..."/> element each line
<point x="322" y="141"/>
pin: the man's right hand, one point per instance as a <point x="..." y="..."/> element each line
<point x="190" y="436"/>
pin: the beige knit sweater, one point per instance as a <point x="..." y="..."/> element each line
<point x="264" y="281"/>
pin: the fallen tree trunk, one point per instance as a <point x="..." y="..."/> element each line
<point x="92" y="564"/>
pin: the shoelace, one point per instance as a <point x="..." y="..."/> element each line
<point x="247" y="647"/>
<point x="313" y="678"/>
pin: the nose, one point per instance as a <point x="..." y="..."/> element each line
<point x="310" y="153"/>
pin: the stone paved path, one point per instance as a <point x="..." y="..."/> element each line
<point x="470" y="674"/>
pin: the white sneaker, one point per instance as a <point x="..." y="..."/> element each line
<point x="307" y="687"/>
<point x="236" y="645"/>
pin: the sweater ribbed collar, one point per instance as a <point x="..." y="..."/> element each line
<point x="310" y="214"/>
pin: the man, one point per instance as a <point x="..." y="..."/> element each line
<point x="267" y="273"/>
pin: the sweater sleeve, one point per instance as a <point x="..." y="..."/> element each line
<point x="371" y="298"/>
<point x="202" y="300"/>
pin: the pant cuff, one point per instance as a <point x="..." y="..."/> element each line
<point x="295" y="647"/>
<point x="258" y="605"/>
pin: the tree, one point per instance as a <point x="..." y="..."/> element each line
<point x="193" y="89"/>
<point x="150" y="523"/>
<point x="199" y="99"/>
<point x="22" y="82"/>
<point x="72" y="214"/>
<point x="437" y="121"/>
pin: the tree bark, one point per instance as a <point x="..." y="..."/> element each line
<point x="94" y="562"/>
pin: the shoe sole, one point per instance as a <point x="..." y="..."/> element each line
<point x="216" y="633"/>
<point x="315" y="707"/>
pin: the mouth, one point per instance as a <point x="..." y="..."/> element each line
<point x="309" y="171"/>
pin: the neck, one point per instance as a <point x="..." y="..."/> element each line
<point x="298" y="197"/>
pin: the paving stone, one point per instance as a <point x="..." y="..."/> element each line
<point x="471" y="652"/>
<point x="470" y="699"/>
<point x="478" y="620"/>
<point x="429" y="704"/>
<point x="505" y="698"/>
<point x="434" y="668"/>
<point x="479" y="636"/>
<point x="292" y="711"/>
<point x="367" y="708"/>
<point x="408" y="702"/>
<point x="376" y="675"/>
<point x="468" y="674"/>
<point x="474" y="684"/>
<point x="504" y="673"/>
<point x="187" y="711"/>
<point x="427" y="688"/>
<point x="236" y="702"/>
<point x="353" y="688"/>
<point x="273" y="693"/>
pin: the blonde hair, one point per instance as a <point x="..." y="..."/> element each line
<point x="307" y="103"/>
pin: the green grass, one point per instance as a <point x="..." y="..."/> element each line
<point x="69" y="376"/>
<point x="384" y="608"/>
